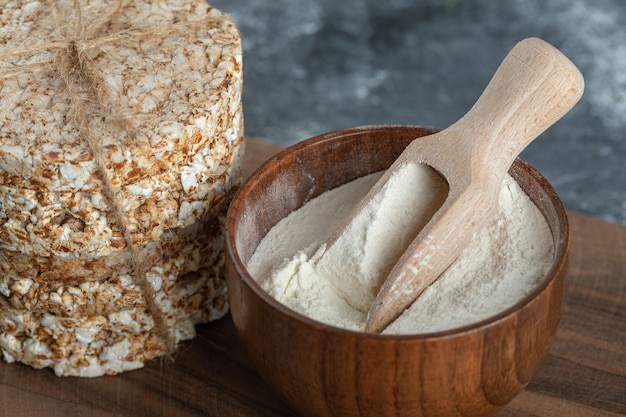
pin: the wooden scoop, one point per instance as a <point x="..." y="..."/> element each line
<point x="534" y="87"/>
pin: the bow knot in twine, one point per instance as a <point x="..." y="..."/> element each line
<point x="91" y="97"/>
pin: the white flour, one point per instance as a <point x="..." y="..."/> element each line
<point x="503" y="263"/>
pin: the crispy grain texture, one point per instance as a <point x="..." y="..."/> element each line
<point x="170" y="131"/>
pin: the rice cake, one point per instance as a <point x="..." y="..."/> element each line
<point x="113" y="289"/>
<point x="167" y="121"/>
<point x="105" y="344"/>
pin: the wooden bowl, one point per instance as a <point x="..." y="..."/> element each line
<point x="320" y="370"/>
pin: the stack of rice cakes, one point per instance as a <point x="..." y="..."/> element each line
<point x="70" y="298"/>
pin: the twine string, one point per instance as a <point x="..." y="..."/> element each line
<point x="89" y="95"/>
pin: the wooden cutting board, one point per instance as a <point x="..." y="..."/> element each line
<point x="583" y="375"/>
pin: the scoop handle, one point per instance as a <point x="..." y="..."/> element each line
<point x="534" y="86"/>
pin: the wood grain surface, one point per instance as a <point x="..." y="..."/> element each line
<point x="583" y="375"/>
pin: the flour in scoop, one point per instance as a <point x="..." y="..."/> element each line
<point x="505" y="261"/>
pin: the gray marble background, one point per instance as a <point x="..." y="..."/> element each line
<point x="320" y="65"/>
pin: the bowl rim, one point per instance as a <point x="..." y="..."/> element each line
<point x="558" y="267"/>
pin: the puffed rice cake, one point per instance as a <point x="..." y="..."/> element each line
<point x="175" y="69"/>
